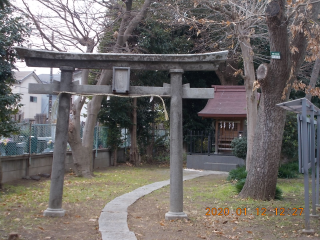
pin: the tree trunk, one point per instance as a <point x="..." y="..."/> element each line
<point x="0" y="175"/>
<point x="274" y="79"/>
<point x="151" y="141"/>
<point x="251" y="96"/>
<point x="114" y="156"/>
<point x="314" y="77"/>
<point x="82" y="160"/>
<point x="82" y="149"/>
<point x="225" y="72"/>
<point x="134" y="158"/>
<point x="263" y="172"/>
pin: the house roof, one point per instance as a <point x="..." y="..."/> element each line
<point x="45" y="78"/>
<point x="20" y="76"/>
<point x="228" y="101"/>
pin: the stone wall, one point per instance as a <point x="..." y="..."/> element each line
<point x="14" y="167"/>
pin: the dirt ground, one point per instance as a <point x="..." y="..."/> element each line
<point x="77" y="223"/>
<point x="146" y="217"/>
<point x="19" y="215"/>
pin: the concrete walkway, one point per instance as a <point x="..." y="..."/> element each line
<point x="113" y="219"/>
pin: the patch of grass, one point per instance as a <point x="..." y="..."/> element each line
<point x="289" y="192"/>
<point x="222" y="191"/>
<point x="22" y="204"/>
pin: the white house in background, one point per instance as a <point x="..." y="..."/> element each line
<point x="45" y="79"/>
<point x="31" y="102"/>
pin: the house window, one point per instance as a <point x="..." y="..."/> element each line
<point x="33" y="99"/>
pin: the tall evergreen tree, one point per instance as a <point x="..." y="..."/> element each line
<point x="12" y="32"/>
<point x="3" y="3"/>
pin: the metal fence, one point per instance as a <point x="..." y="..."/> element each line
<point x="201" y="142"/>
<point x="39" y="138"/>
<point x="308" y="117"/>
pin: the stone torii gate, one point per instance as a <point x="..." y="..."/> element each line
<point x="121" y="65"/>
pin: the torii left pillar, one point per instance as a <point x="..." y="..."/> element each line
<point x="60" y="146"/>
<point x="176" y="168"/>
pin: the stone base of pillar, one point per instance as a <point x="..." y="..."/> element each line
<point x="54" y="212"/>
<point x="308" y="232"/>
<point x="175" y="215"/>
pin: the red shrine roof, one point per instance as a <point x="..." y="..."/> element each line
<point x="228" y="101"/>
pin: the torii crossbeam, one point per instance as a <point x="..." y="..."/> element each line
<point x="175" y="63"/>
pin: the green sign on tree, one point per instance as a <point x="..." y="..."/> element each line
<point x="275" y="55"/>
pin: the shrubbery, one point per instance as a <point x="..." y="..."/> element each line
<point x="288" y="170"/>
<point x="239" y="147"/>
<point x="289" y="147"/>
<point x="237" y="174"/>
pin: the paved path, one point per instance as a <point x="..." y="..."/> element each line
<point x="113" y="219"/>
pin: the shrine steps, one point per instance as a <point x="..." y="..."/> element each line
<point x="224" y="167"/>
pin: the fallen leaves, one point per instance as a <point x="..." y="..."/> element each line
<point x="202" y="237"/>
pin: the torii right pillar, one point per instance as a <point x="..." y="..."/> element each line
<point x="176" y="146"/>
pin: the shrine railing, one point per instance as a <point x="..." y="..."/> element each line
<point x="204" y="142"/>
<point x="201" y="142"/>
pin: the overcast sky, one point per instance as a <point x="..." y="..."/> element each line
<point x="84" y="8"/>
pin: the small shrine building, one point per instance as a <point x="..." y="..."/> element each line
<point x="229" y="112"/>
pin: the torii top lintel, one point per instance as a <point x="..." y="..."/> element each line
<point x="186" y="62"/>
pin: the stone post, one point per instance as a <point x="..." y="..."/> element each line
<point x="60" y="146"/>
<point x="176" y="171"/>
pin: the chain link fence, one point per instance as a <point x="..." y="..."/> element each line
<point x="39" y="138"/>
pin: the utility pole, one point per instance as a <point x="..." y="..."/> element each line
<point x="50" y="95"/>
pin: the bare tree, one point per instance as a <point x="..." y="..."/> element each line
<point x="289" y="34"/>
<point x="316" y="67"/>
<point x="76" y="25"/>
<point x="234" y="24"/>
<point x="250" y="26"/>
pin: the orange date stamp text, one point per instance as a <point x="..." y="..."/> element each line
<point x="254" y="212"/>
